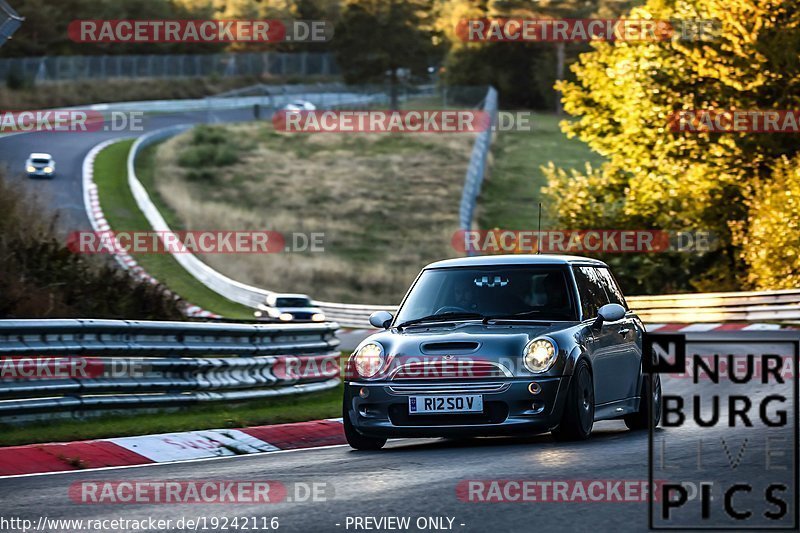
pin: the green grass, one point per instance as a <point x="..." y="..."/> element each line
<point x="146" y="172"/>
<point x="122" y="213"/>
<point x="297" y="408"/>
<point x="389" y="195"/>
<point x="510" y="196"/>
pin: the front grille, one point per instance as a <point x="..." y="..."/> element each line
<point x="452" y="369"/>
<point x="449" y="388"/>
<point x="493" y="413"/>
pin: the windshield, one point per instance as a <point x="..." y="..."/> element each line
<point x="292" y="302"/>
<point x="40" y="161"/>
<point x="531" y="292"/>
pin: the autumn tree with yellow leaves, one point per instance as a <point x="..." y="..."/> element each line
<point x="741" y="186"/>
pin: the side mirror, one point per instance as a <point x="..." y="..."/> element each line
<point x="381" y="319"/>
<point x="609" y="313"/>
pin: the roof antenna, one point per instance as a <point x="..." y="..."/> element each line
<point x="539" y="248"/>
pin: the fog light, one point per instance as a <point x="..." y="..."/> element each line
<point x="363" y="392"/>
<point x="534" y="388"/>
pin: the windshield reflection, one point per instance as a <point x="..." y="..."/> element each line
<point x="526" y="292"/>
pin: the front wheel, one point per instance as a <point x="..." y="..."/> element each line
<point x="356" y="440"/>
<point x="578" y="417"/>
<point x="650" y="396"/>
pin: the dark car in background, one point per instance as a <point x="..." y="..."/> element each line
<point x="289" y="308"/>
<point x="499" y="345"/>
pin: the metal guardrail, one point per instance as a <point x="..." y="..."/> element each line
<point x="217" y="282"/>
<point x="770" y="306"/>
<point x="51" y="366"/>
<point x="324" y="97"/>
<point x="764" y="306"/>
<point x="477" y="164"/>
<point x="350" y="315"/>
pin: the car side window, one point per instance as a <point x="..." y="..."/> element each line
<point x="590" y="289"/>
<point x="611" y="287"/>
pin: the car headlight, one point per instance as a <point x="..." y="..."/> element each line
<point x="48" y="170"/>
<point x="368" y="359"/>
<point x="318" y="317"/>
<point x="540" y="354"/>
<point x="286" y="316"/>
<point x="30" y="168"/>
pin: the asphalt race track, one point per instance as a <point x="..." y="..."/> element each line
<point x="418" y="478"/>
<point x="63" y="195"/>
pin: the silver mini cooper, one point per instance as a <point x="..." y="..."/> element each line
<point x="498" y="345"/>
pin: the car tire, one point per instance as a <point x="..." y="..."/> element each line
<point x="641" y="418"/>
<point x="578" y="416"/>
<point x="356" y="440"/>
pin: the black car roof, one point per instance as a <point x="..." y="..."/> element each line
<point x="515" y="259"/>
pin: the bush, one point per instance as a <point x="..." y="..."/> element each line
<point x="208" y="135"/>
<point x="201" y="175"/>
<point x="771" y="242"/>
<point x="41" y="278"/>
<point x="210" y="146"/>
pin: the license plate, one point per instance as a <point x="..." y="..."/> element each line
<point x="469" y="403"/>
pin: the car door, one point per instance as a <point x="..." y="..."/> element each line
<point x="598" y="341"/>
<point x="609" y="365"/>
<point x="627" y="335"/>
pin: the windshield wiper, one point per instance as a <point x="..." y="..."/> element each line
<point x="439" y="318"/>
<point x="517" y="316"/>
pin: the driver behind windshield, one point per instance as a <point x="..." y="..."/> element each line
<point x="528" y="292"/>
<point x="463" y="296"/>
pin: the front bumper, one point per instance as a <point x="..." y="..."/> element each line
<point x="41" y="174"/>
<point x="508" y="407"/>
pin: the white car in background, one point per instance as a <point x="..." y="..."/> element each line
<point x="299" y="105"/>
<point x="289" y="308"/>
<point x="40" y="165"/>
